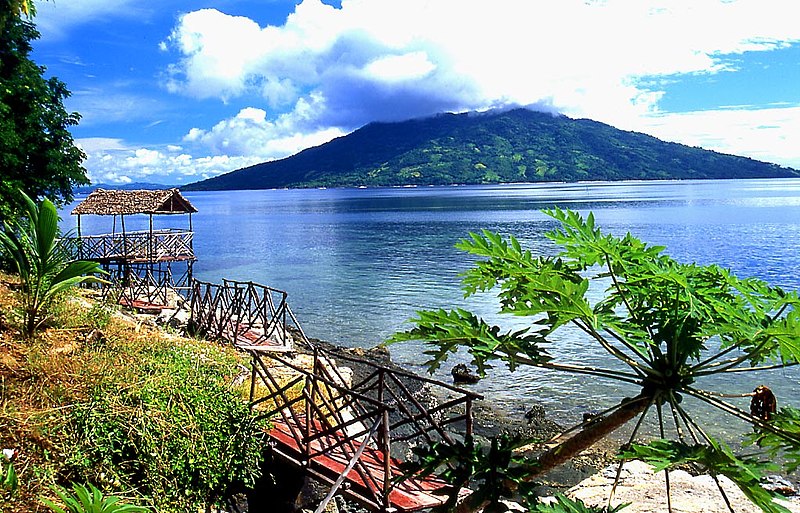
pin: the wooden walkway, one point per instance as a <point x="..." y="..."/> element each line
<point x="252" y="317"/>
<point x="347" y="421"/>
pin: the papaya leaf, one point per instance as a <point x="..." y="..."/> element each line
<point x="717" y="458"/>
<point x="564" y="504"/>
<point x="785" y="439"/>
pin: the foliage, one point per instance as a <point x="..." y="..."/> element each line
<point x="44" y="267"/>
<point x="179" y="435"/>
<point x="37" y="154"/>
<point x="564" y="504"/>
<point x="774" y="439"/>
<point x="669" y="324"/>
<point x="139" y="415"/>
<point x="90" y="500"/>
<point x="8" y="477"/>
<point x="495" y="471"/>
<point x="495" y="147"/>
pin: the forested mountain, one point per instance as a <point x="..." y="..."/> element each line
<point x="512" y="146"/>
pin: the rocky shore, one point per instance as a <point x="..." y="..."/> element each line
<point x="488" y="422"/>
<point x="588" y="477"/>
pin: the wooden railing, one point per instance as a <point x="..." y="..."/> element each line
<point x="249" y="315"/>
<point x="341" y="427"/>
<point x="141" y="286"/>
<point x="358" y="428"/>
<point x="142" y="246"/>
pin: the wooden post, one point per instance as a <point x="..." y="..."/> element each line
<point x="468" y="413"/>
<point x="191" y="239"/>
<point x="124" y="237"/>
<point x="253" y="381"/>
<point x="80" y="242"/>
<point x="385" y="441"/>
<point x="150" y="241"/>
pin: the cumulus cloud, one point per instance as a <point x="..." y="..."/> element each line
<point x="112" y="161"/>
<point x="249" y="133"/>
<point x="328" y="70"/>
<point x="404" y="58"/>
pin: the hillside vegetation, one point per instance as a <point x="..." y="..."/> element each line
<point x="98" y="398"/>
<point x="513" y="146"/>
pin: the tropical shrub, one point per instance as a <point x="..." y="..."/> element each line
<point x="44" y="267"/>
<point x="177" y="433"/>
<point x="670" y="325"/>
<point x="89" y="500"/>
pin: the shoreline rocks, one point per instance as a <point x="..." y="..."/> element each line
<point x="645" y="491"/>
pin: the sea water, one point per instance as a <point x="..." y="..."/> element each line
<point x="358" y="263"/>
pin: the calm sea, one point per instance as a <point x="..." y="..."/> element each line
<point x="358" y="263"/>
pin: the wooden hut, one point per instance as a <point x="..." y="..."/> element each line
<point x="147" y="257"/>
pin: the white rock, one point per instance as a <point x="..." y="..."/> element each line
<point x="646" y="493"/>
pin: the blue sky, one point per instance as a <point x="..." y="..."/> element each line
<point x="176" y="91"/>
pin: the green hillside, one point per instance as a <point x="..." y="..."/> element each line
<point x="513" y="146"/>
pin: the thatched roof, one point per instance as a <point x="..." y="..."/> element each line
<point x="105" y="203"/>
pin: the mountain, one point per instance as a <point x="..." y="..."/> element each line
<point x="511" y="146"/>
<point x="135" y="186"/>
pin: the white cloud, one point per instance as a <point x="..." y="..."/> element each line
<point x="250" y="134"/>
<point x="396" y="68"/>
<point x="586" y="58"/>
<point x="771" y="134"/>
<point x="100" y="144"/>
<point x="247" y="138"/>
<point x="120" y="164"/>
<point x="55" y="17"/>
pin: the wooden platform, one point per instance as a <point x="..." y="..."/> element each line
<point x="366" y="483"/>
<point x="254" y="340"/>
<point x="142" y="306"/>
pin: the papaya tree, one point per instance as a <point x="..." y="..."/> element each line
<point x="666" y="327"/>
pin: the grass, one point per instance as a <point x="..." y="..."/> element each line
<point x="102" y="399"/>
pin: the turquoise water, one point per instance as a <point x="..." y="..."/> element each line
<point x="357" y="263"/>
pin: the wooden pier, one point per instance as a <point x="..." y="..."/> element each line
<point x="144" y="266"/>
<point x="349" y="430"/>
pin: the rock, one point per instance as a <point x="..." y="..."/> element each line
<point x="177" y="318"/>
<point x="778" y="484"/>
<point x="95" y="338"/>
<point x="535" y="413"/>
<point x="462" y="375"/>
<point x="646" y="492"/>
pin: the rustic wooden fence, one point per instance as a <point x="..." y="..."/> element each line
<point x="353" y="430"/>
<point x="142" y="246"/>
<point x="348" y="421"/>
<point x="249" y="315"/>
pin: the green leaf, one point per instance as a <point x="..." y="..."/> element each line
<point x="446" y="331"/>
<point x="89" y="499"/>
<point x="717" y="458"/>
<point x="564" y="504"/>
<point x="783" y="438"/>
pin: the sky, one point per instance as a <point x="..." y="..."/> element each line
<point x="176" y="91"/>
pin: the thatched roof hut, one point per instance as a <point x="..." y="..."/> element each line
<point x="115" y="202"/>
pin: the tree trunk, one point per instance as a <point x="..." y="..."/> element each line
<point x="585" y="438"/>
<point x="588" y="436"/>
